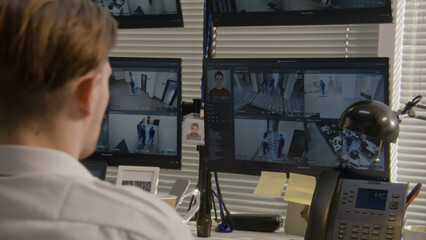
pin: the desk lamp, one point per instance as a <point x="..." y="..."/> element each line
<point x="376" y="119"/>
<point x="372" y="118"/>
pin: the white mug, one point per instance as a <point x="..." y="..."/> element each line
<point x="414" y="232"/>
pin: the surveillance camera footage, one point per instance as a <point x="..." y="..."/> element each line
<point x="282" y="114"/>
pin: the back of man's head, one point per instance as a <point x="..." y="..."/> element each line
<point x="43" y="45"/>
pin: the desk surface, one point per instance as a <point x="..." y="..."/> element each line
<point x="247" y="235"/>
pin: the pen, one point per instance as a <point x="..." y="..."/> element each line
<point x="413" y="194"/>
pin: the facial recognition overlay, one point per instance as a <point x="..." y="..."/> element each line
<point x="283" y="115"/>
<point x="142" y="122"/>
<point x="268" y="140"/>
<point x="138" y="7"/>
<point x="219" y="83"/>
<point x="268" y="93"/>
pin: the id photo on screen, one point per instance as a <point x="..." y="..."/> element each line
<point x="219" y="83"/>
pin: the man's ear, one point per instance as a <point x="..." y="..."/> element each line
<point x="86" y="92"/>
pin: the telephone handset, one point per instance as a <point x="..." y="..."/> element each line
<point x="356" y="209"/>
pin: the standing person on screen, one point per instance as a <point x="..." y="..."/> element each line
<point x="322" y="85"/>
<point x="265" y="144"/>
<point x="151" y="135"/>
<point x="219" y="90"/>
<point x="281" y="143"/>
<point x="54" y="74"/>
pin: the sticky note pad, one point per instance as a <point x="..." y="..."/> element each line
<point x="270" y="184"/>
<point x="300" y="189"/>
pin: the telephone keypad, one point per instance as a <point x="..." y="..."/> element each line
<point x="361" y="221"/>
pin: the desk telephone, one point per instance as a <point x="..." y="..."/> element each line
<point x="356" y="209"/>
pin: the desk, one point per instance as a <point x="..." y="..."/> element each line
<point x="247" y="235"/>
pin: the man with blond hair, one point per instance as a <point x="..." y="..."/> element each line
<point x="54" y="73"/>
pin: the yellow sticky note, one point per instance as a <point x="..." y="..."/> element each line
<point x="300" y="189"/>
<point x="270" y="184"/>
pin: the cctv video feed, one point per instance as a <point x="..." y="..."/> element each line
<point x="142" y="114"/>
<point x="244" y="6"/>
<point x="287" y="111"/>
<point x="138" y="7"/>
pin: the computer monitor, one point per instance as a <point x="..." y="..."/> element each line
<point x="297" y="12"/>
<point x="282" y="115"/>
<point x="144" y="13"/>
<point x="142" y="124"/>
<point x="97" y="168"/>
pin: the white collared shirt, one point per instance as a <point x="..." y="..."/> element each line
<point x="47" y="194"/>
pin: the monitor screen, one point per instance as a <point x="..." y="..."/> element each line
<point x="144" y="13"/>
<point x="96" y="167"/>
<point x="142" y="124"/>
<point x="296" y="12"/>
<point x="282" y="115"/>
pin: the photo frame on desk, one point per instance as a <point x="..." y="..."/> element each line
<point x="145" y="178"/>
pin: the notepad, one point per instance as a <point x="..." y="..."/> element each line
<point x="270" y="184"/>
<point x="300" y="189"/>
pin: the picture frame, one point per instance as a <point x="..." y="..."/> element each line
<point x="145" y="178"/>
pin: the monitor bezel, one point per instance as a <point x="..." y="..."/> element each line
<point x="305" y="17"/>
<point x="247" y="167"/>
<point x="134" y="159"/>
<point x="153" y="20"/>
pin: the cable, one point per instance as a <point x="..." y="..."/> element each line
<point x="223" y="226"/>
<point x="411" y="104"/>
<point x="413" y="194"/>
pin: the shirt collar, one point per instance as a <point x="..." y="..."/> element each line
<point x="17" y="160"/>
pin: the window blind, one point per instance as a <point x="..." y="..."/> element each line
<point x="237" y="42"/>
<point x="411" y="70"/>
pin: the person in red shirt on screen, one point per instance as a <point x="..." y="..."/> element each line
<point x="219" y="90"/>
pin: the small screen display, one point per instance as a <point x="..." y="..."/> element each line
<point x="144" y="13"/>
<point x="371" y="199"/>
<point x="291" y="12"/>
<point x="142" y="122"/>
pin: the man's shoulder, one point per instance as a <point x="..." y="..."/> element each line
<point x="94" y="202"/>
<point x="131" y="208"/>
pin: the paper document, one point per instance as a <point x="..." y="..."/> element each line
<point x="300" y="189"/>
<point x="271" y="184"/>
